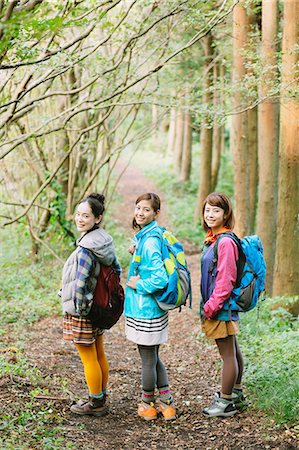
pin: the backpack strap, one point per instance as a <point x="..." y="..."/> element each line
<point x="241" y="257"/>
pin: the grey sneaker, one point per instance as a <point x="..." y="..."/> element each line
<point x="220" y="407"/>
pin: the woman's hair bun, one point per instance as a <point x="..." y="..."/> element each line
<point x="96" y="196"/>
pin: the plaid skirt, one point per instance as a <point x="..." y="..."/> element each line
<point x="79" y="330"/>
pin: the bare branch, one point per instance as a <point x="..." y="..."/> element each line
<point x="52" y="53"/>
<point x="60" y="164"/>
<point x="32" y="233"/>
<point x="24" y="204"/>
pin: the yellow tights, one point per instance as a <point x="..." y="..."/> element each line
<point x="95" y="363"/>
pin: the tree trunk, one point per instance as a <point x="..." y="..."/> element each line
<point x="286" y="272"/>
<point x="217" y="130"/>
<point x="268" y="140"/>
<point x="187" y="147"/>
<point x="239" y="132"/>
<point x="252" y="166"/>
<point x="206" y="141"/>
<point x="179" y="138"/>
<point x="171" y="134"/>
<point x="155" y="123"/>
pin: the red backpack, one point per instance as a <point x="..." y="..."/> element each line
<point x="108" y="299"/>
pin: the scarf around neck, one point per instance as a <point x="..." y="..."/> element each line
<point x="211" y="238"/>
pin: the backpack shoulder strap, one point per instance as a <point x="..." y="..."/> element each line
<point x="241" y="258"/>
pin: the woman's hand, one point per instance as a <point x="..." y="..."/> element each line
<point x="131" y="249"/>
<point x="132" y="281"/>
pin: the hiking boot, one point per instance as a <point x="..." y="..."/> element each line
<point x="220" y="407"/>
<point x="92" y="407"/>
<point x="168" y="410"/>
<point x="239" y="399"/>
<point x="81" y="402"/>
<point x="147" y="411"/>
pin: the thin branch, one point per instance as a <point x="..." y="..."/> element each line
<point x="52" y="53"/>
<point x="60" y="164"/>
<point x="61" y="49"/>
<point x="41" y="241"/>
<point x="25" y="204"/>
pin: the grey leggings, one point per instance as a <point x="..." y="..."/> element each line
<point x="153" y="370"/>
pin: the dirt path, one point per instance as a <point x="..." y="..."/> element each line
<point x="193" y="368"/>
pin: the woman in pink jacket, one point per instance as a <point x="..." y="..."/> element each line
<point x="219" y="321"/>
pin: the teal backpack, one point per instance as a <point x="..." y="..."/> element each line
<point x="251" y="272"/>
<point x="178" y="288"/>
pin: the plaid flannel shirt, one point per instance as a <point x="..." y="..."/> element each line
<point x="84" y="289"/>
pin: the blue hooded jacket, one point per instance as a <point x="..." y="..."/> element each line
<point x="139" y="302"/>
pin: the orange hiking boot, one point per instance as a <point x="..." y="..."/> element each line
<point x="168" y="410"/>
<point x="147" y="411"/>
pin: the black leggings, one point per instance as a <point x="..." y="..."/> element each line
<point x="153" y="370"/>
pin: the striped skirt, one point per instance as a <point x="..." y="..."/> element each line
<point x="147" y="331"/>
<point x="79" y="330"/>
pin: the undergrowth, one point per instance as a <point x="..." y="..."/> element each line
<point x="269" y="341"/>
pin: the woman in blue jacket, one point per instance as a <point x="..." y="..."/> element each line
<point x="146" y="323"/>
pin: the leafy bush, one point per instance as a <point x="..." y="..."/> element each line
<point x="28" y="290"/>
<point x="269" y="341"/>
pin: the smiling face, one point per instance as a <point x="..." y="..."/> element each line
<point x="84" y="218"/>
<point x="214" y="217"/>
<point x="144" y="213"/>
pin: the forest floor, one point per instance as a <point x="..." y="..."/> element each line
<point x="193" y="368"/>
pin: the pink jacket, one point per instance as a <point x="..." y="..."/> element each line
<point x="226" y="276"/>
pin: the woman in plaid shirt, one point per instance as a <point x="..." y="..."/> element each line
<point x="79" y="278"/>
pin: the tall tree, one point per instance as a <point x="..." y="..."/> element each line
<point x="268" y="137"/>
<point x="179" y="136"/>
<point x="187" y="147"/>
<point x="171" y="133"/>
<point x="239" y="128"/>
<point x="286" y="272"/>
<point x="218" y="129"/>
<point x="206" y="136"/>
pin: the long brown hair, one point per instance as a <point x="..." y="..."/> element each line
<point x="222" y="201"/>
<point x="154" y="201"/>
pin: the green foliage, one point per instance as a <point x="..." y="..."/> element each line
<point x="58" y="206"/>
<point x="269" y="341"/>
<point x="39" y="422"/>
<point x="28" y="290"/>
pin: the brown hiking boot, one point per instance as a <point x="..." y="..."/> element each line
<point x="92" y="407"/>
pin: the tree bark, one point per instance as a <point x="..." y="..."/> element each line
<point x="217" y="129"/>
<point x="286" y="272"/>
<point x="252" y="166"/>
<point x="187" y="147"/>
<point x="268" y="139"/>
<point x="179" y="138"/>
<point x="171" y="133"/>
<point x="239" y="131"/>
<point x="206" y="141"/>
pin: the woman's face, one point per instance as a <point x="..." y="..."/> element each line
<point x="144" y="213"/>
<point x="214" y="217"/>
<point x="84" y="218"/>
